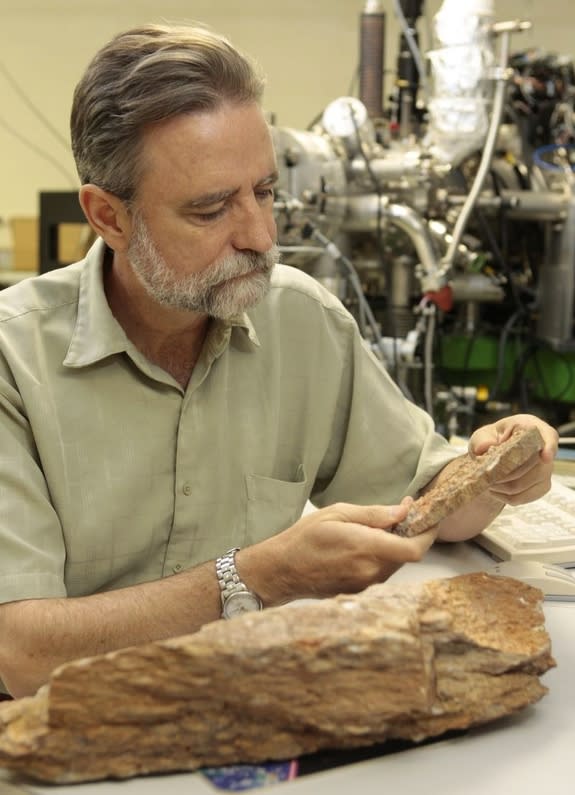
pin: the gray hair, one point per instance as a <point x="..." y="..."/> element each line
<point x="144" y="76"/>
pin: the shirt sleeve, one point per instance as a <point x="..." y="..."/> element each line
<point x="383" y="446"/>
<point x="31" y="542"/>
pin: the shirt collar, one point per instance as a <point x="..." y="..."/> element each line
<point x="97" y="334"/>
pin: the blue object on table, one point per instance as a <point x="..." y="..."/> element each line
<point x="240" y="778"/>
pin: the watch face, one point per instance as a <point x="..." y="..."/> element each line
<point x="241" y="602"/>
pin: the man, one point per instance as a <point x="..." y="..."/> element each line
<point x="170" y="398"/>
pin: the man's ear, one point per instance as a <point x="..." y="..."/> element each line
<point x="107" y="215"/>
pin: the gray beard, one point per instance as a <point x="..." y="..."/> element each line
<point x="208" y="292"/>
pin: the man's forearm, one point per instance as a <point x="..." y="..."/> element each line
<point x="37" y="635"/>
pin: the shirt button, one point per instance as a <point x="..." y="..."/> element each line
<point x="187" y="489"/>
<point x="177" y="567"/>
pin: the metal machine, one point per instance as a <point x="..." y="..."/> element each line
<point x="444" y="217"/>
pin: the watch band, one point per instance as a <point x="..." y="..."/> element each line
<point x="235" y="595"/>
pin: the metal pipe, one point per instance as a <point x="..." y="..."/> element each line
<point x="487" y="155"/>
<point x="413" y="225"/>
<point x="557" y="283"/>
<point x="475" y="287"/>
<point x="364" y="213"/>
<point x="522" y="204"/>
<point x="384" y="169"/>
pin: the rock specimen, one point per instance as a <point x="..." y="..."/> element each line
<point x="468" y="478"/>
<point x="396" y="661"/>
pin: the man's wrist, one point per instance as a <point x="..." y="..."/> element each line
<point x="236" y="597"/>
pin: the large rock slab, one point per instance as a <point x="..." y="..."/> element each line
<point x="396" y="661"/>
<point x="469" y="477"/>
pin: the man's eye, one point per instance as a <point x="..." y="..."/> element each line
<point x="265" y="193"/>
<point x="211" y="216"/>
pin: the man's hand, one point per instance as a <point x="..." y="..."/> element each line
<point x="339" y="549"/>
<point x="527" y="483"/>
<point x="533" y="479"/>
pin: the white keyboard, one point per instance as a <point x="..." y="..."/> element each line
<point x="542" y="530"/>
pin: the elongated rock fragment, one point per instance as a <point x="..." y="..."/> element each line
<point x="396" y="661"/>
<point x="469" y="477"/>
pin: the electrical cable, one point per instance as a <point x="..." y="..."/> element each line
<point x="413" y="48"/>
<point x="539" y="157"/>
<point x="466" y="368"/>
<point x="520" y="383"/>
<point x="492" y="242"/>
<point x="311" y="231"/>
<point x="39" y="151"/>
<point x="354" y="83"/>
<point x="467" y="358"/>
<point x="531" y="354"/>
<point x="316" y="119"/>
<point x="297" y="249"/>
<point x="428" y="359"/>
<point x="570" y="378"/>
<point x="501" y="352"/>
<point x="32" y="107"/>
<point x="379" y="240"/>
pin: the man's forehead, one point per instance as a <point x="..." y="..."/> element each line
<point x="224" y="124"/>
<point x="213" y="151"/>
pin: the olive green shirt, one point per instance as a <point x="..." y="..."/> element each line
<point x="111" y="474"/>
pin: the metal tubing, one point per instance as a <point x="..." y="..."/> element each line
<point x="385" y="169"/>
<point x="522" y="204"/>
<point x="365" y="212"/>
<point x="556" y="288"/>
<point x="488" y="149"/>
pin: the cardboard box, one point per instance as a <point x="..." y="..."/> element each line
<point x="25" y="244"/>
<point x="74" y="239"/>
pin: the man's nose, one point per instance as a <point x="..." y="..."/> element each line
<point x="255" y="228"/>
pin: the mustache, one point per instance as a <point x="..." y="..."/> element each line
<point x="244" y="263"/>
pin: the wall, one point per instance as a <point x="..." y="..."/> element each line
<point x="308" y="49"/>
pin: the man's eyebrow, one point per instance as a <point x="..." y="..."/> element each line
<point x="270" y="179"/>
<point x="207" y="199"/>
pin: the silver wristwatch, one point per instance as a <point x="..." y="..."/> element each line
<point x="236" y="596"/>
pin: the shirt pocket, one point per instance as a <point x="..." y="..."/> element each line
<point x="273" y="505"/>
